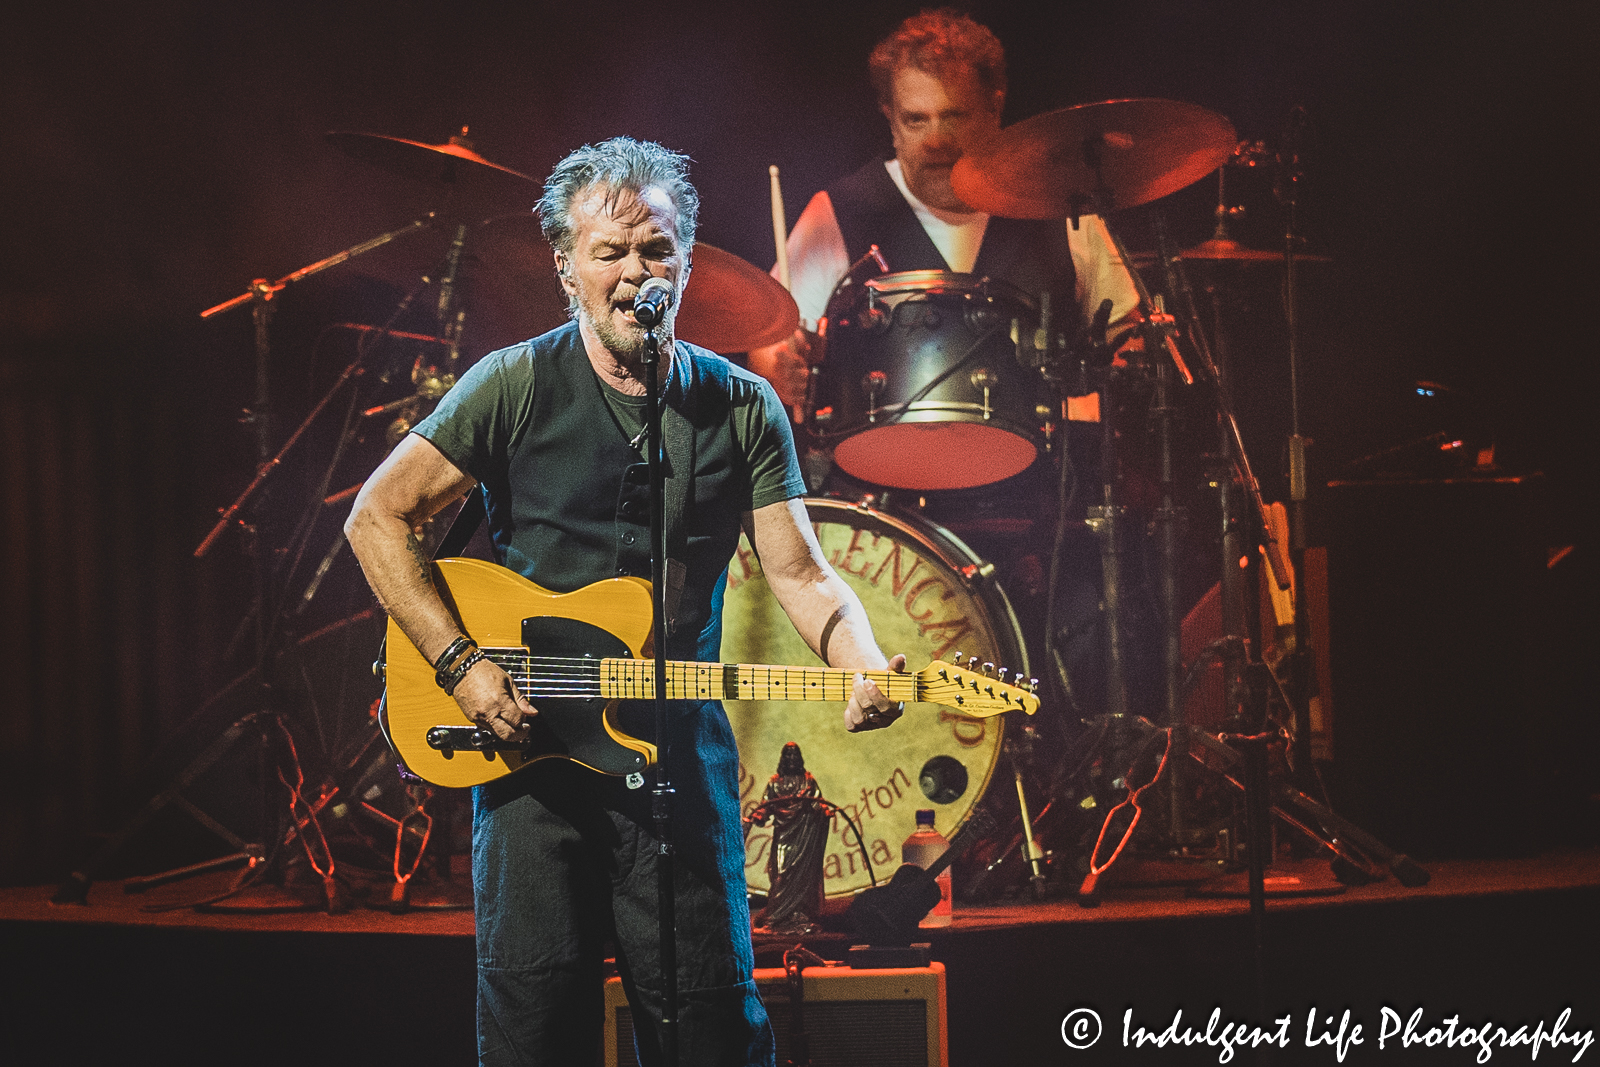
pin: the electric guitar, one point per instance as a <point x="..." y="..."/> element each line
<point x="575" y="655"/>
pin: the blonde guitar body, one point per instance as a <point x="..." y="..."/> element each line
<point x="575" y="655"/>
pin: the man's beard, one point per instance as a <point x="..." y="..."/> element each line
<point x="626" y="340"/>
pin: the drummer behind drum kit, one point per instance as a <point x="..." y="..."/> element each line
<point x="934" y="383"/>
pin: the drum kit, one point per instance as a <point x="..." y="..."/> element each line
<point x="937" y="387"/>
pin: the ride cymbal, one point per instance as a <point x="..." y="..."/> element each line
<point x="1093" y="158"/>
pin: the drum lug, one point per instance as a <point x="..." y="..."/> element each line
<point x="985" y="379"/>
<point x="873" y="384"/>
<point x="977" y="573"/>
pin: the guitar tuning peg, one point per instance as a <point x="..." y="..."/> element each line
<point x="1003" y="673"/>
<point x="957" y="660"/>
<point x="988" y="669"/>
<point x="972" y="664"/>
<point x="1033" y="685"/>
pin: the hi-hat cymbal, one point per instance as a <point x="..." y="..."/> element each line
<point x="729" y="305"/>
<point x="1223" y="248"/>
<point x="1069" y="162"/>
<point x="415" y="159"/>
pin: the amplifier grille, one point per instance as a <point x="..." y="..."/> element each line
<point x="843" y="1033"/>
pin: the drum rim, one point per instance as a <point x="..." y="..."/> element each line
<point x="937" y="281"/>
<point x="920" y="410"/>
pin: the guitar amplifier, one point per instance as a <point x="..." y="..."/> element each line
<point x="854" y="1018"/>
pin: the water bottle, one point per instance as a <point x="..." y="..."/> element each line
<point x="923" y="848"/>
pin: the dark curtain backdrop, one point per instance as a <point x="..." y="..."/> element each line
<point x="159" y="155"/>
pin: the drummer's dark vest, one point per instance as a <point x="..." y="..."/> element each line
<point x="575" y="507"/>
<point x="1032" y="255"/>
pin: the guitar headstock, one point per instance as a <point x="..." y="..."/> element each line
<point x="975" y="689"/>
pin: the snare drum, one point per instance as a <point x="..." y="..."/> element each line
<point x="924" y="385"/>
<point x="928" y="596"/>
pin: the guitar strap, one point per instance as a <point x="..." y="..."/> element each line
<point x="466" y="524"/>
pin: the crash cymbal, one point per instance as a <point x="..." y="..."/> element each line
<point x="415" y="159"/>
<point x="731" y="305"/>
<point x="1053" y="165"/>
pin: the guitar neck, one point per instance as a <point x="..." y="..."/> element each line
<point x="634" y="679"/>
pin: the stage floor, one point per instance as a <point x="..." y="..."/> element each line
<point x="1499" y="941"/>
<point x="161" y="906"/>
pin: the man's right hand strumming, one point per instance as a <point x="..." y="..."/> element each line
<point x="488" y="697"/>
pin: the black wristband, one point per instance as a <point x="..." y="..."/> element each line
<point x="449" y="680"/>
<point x="449" y="655"/>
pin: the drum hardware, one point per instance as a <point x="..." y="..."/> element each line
<point x="270" y="611"/>
<point x="873" y="385"/>
<point x="1101" y="157"/>
<point x="985" y="379"/>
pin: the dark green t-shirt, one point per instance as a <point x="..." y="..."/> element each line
<point x="476" y="420"/>
<point x="566" y="489"/>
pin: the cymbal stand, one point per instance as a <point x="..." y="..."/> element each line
<point x="1159" y="329"/>
<point x="1252" y="684"/>
<point x="260" y="856"/>
<point x="1300" y="663"/>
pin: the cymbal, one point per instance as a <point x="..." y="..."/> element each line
<point x="1228" y="249"/>
<point x="415" y="159"/>
<point x="1045" y="167"/>
<point x="1224" y="250"/>
<point x="731" y="305"/>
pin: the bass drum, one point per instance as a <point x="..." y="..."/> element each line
<point x="929" y="596"/>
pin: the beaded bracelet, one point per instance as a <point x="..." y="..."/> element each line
<point x="454" y="678"/>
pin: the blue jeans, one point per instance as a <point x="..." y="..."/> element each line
<point x="563" y="859"/>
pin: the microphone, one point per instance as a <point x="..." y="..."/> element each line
<point x="650" y="306"/>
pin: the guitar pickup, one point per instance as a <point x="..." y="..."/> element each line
<point x="448" y="740"/>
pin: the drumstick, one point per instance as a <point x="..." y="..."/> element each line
<point x="780" y="235"/>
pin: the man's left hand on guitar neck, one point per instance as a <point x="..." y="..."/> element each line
<point x="869" y="709"/>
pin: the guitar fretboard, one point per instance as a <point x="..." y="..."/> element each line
<point x="634" y="679"/>
<point x="540" y="677"/>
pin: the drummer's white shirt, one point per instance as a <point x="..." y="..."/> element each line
<point x="818" y="259"/>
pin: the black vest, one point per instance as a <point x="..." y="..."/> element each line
<point x="1032" y="255"/>
<point x="575" y="507"/>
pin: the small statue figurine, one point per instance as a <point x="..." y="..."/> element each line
<point x="799" y="841"/>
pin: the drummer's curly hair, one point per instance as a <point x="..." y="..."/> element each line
<point x="940" y="42"/>
<point x="618" y="164"/>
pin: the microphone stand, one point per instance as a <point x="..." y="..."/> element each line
<point x="662" y="796"/>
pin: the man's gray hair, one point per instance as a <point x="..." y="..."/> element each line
<point x="618" y="164"/>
